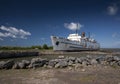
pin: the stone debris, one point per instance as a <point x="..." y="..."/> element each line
<point x="62" y="62"/>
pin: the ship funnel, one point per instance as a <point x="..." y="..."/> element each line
<point x="83" y="34"/>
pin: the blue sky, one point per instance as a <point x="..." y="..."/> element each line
<point x="32" y="22"/>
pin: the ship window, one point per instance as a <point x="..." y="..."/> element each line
<point x="57" y="43"/>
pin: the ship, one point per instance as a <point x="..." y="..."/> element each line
<point x="74" y="42"/>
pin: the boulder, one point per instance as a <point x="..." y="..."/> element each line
<point x="44" y="61"/>
<point x="61" y="64"/>
<point x="8" y="64"/>
<point x="61" y="57"/>
<point x="16" y="66"/>
<point x="85" y="63"/>
<point x="89" y="57"/>
<point x="114" y="63"/>
<point x="2" y="64"/>
<point x="37" y="62"/>
<point x="83" y="59"/>
<point x="22" y="65"/>
<point x="78" y="60"/>
<point x="116" y="58"/>
<point x="100" y="59"/>
<point x="118" y="63"/>
<point x="94" y="61"/>
<point x="109" y="59"/>
<point x="72" y="59"/>
<point x="70" y="63"/>
<point x="26" y="62"/>
<point x="52" y="63"/>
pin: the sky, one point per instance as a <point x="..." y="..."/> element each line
<point x="32" y="22"/>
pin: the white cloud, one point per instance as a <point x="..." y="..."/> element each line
<point x="116" y="35"/>
<point x="1" y="39"/>
<point x="112" y="9"/>
<point x="116" y="44"/>
<point x="73" y="26"/>
<point x="13" y="32"/>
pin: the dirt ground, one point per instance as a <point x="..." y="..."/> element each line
<point x="81" y="75"/>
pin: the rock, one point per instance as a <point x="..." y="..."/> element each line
<point x="37" y="62"/>
<point x="70" y="63"/>
<point x="94" y="62"/>
<point x="15" y="66"/>
<point x="57" y="60"/>
<point x="61" y="64"/>
<point x="77" y="66"/>
<point x="109" y="59"/>
<point x="21" y="65"/>
<point x="103" y="62"/>
<point x="2" y="64"/>
<point x="36" y="65"/>
<point x="30" y="66"/>
<point x="116" y="58"/>
<point x="8" y="64"/>
<point x="61" y="57"/>
<point x="49" y="67"/>
<point x="70" y="68"/>
<point x="118" y="63"/>
<point x="83" y="59"/>
<point x="78" y="60"/>
<point x="45" y="66"/>
<point x="114" y="63"/>
<point x="67" y="59"/>
<point x="100" y="59"/>
<point x="44" y="61"/>
<point x="88" y="56"/>
<point x="57" y="65"/>
<point x="52" y="63"/>
<point x="72" y="58"/>
<point x="26" y="62"/>
<point x="83" y="70"/>
<point x="85" y="63"/>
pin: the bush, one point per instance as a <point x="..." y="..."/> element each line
<point x="45" y="46"/>
<point x="36" y="47"/>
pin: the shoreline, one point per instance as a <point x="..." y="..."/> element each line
<point x="51" y="52"/>
<point x="27" y="53"/>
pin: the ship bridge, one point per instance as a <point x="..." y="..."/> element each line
<point x="74" y="37"/>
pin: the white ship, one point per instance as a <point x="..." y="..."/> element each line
<point x="74" y="42"/>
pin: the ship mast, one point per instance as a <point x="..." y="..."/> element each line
<point x="76" y="31"/>
<point x="77" y="28"/>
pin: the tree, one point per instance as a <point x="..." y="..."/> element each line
<point x="36" y="47"/>
<point x="45" y="46"/>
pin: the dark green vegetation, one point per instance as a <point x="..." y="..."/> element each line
<point x="45" y="46"/>
<point x="18" y="51"/>
<point x="110" y="50"/>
